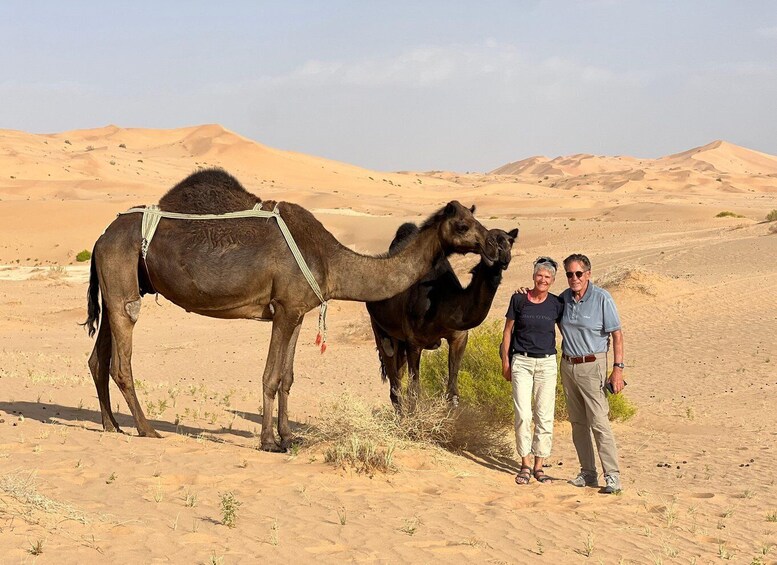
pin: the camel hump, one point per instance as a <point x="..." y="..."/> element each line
<point x="208" y="191"/>
<point x="403" y="235"/>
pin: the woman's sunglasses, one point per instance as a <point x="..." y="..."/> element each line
<point x="548" y="260"/>
<point x="578" y="274"/>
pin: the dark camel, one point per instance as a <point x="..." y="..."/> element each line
<point x="433" y="309"/>
<point x="242" y="268"/>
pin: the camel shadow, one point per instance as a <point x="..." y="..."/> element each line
<point x="49" y="413"/>
<point x="302" y="432"/>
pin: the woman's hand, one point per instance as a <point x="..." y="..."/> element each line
<point x="523" y="290"/>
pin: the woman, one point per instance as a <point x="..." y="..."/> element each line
<point x="528" y="354"/>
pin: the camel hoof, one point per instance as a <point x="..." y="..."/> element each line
<point x="149" y="433"/>
<point x="272" y="447"/>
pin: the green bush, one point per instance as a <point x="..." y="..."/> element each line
<point x="84" y="255"/>
<point x="728" y="214"/>
<point x="772" y="216"/>
<point x="480" y="378"/>
<point x="481" y="383"/>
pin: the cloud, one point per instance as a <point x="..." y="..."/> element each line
<point x="453" y="64"/>
<point x="767" y="31"/>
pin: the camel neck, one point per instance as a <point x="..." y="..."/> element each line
<point x="469" y="307"/>
<point x="369" y="279"/>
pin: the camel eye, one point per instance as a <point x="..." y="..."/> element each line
<point x="461" y="227"/>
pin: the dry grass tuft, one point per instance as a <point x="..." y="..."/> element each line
<point x="365" y="438"/>
<point x="480" y="432"/>
<point x="31" y="504"/>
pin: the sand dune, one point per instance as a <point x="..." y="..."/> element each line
<point x="717" y="166"/>
<point x="696" y="294"/>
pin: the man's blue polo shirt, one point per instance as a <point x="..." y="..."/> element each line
<point x="586" y="325"/>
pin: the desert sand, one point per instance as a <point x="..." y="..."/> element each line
<point x="696" y="293"/>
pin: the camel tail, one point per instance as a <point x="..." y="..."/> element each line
<point x="93" y="298"/>
<point x="383" y="375"/>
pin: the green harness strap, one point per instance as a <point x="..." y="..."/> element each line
<point x="152" y="215"/>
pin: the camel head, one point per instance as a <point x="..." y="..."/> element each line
<point x="500" y="244"/>
<point x="460" y="232"/>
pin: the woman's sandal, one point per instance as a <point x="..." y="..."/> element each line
<point x="541" y="477"/>
<point x="524" y="476"/>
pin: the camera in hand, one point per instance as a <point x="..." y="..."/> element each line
<point x="610" y="388"/>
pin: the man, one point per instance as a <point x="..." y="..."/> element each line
<point x="589" y="319"/>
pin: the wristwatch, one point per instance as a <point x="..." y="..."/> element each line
<point x="619" y="365"/>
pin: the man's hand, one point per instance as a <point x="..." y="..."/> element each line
<point x="507" y="373"/>
<point x="522" y="290"/>
<point x="616" y="378"/>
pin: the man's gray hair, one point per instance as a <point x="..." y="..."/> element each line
<point x="578" y="258"/>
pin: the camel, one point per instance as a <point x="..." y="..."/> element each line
<point x="435" y="308"/>
<point x="243" y="268"/>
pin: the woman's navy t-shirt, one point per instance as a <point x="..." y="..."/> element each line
<point x="535" y="324"/>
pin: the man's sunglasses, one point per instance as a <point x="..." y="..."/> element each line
<point x="578" y="274"/>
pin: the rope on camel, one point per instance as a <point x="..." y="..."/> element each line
<point x="152" y="215"/>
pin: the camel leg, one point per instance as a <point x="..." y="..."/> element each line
<point x="398" y="370"/>
<point x="283" y="328"/>
<point x="122" y="322"/>
<point x="287" y="379"/>
<point x="456" y="347"/>
<point x="99" y="365"/>
<point x="413" y="374"/>
<point x="394" y="366"/>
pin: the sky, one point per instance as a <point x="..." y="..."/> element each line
<point x="402" y="85"/>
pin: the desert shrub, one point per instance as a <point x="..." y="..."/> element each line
<point x="772" y="216"/>
<point x="727" y="214"/>
<point x="229" y="507"/>
<point x="773" y="228"/>
<point x="84" y="255"/>
<point x="364" y="437"/>
<point x="482" y="386"/>
<point x="621" y="408"/>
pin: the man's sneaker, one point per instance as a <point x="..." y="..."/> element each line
<point x="584" y="479"/>
<point x="612" y="484"/>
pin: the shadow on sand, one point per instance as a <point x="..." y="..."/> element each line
<point x="48" y="413"/>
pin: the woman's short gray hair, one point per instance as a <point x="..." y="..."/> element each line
<point x="545" y="264"/>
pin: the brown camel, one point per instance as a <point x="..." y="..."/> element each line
<point x="435" y="308"/>
<point x="242" y="268"/>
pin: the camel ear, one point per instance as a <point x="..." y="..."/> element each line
<point x="450" y="209"/>
<point x="472" y="209"/>
<point x="513" y="233"/>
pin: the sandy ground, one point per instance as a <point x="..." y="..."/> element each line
<point x="697" y="299"/>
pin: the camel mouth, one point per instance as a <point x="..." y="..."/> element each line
<point x="488" y="260"/>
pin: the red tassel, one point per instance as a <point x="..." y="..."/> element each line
<point x="323" y="348"/>
<point x="318" y="339"/>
